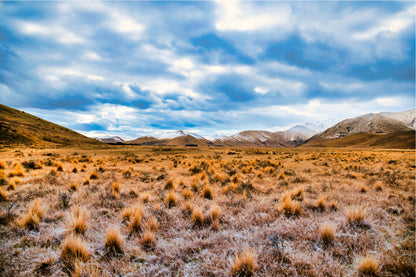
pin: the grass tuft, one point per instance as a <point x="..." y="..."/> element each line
<point x="171" y="199"/>
<point x="244" y="265"/>
<point x="78" y="220"/>
<point x="207" y="192"/>
<point x="113" y="242"/>
<point x="74" y="249"/>
<point x="368" y="266"/>
<point x="197" y="217"/>
<point x="169" y="185"/>
<point x="355" y="215"/>
<point x="327" y="232"/>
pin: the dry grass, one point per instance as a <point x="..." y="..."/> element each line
<point x="3" y="195"/>
<point x="116" y="187"/>
<point x="79" y="220"/>
<point x="169" y="184"/>
<point x="113" y="242"/>
<point x="356" y="215"/>
<point x="197" y="217"/>
<point x="207" y="192"/>
<point x="368" y="266"/>
<point x="327" y="233"/>
<point x="148" y="239"/>
<point x="244" y="265"/>
<point x="171" y="199"/>
<point x="73" y="249"/>
<point x="289" y="222"/>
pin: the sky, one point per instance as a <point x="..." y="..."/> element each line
<point x="213" y="68"/>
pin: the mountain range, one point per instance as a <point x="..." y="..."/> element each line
<point x="383" y="130"/>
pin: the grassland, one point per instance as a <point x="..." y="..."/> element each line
<point x="153" y="211"/>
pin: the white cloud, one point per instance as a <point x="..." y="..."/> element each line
<point x="240" y="17"/>
<point x="56" y="32"/>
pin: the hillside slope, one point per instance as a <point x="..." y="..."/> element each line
<point x="19" y="128"/>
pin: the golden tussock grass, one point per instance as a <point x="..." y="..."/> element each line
<point x="215" y="212"/>
<point x="113" y="241"/>
<point x="79" y="220"/>
<point x="216" y="225"/>
<point x="2" y="165"/>
<point x="75" y="170"/>
<point x="94" y="176"/>
<point x="327" y="232"/>
<point x="116" y="187"/>
<point x="187" y="207"/>
<point x="3" y="196"/>
<point x="244" y="265"/>
<point x="73" y="249"/>
<point x="197" y="217"/>
<point x="148" y="239"/>
<point x="135" y="221"/>
<point x="59" y="167"/>
<point x="73" y="186"/>
<point x="169" y="185"/>
<point x="187" y="194"/>
<point x="355" y="215"/>
<point x="321" y="203"/>
<point x="17" y="172"/>
<point x="153" y="225"/>
<point x="145" y="197"/>
<point x="368" y="266"/>
<point x="289" y="207"/>
<point x="11" y="186"/>
<point x="86" y="182"/>
<point x="207" y="192"/>
<point x="171" y="199"/>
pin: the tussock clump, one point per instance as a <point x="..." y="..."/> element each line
<point x="356" y="215"/>
<point x="17" y="172"/>
<point x="197" y="217"/>
<point x="215" y="212"/>
<point x="368" y="266"/>
<point x="116" y="187"/>
<point x="379" y="186"/>
<point x="289" y="207"/>
<point x="216" y="225"/>
<point x="135" y="225"/>
<point x="333" y="205"/>
<point x="29" y="221"/>
<point x="244" y="265"/>
<point x="321" y="203"/>
<point x="37" y="209"/>
<point x="169" y="185"/>
<point x="113" y="242"/>
<point x="327" y="232"/>
<point x="74" y="249"/>
<point x="75" y="170"/>
<point x="207" y="192"/>
<point x="78" y="221"/>
<point x="281" y="176"/>
<point x="94" y="176"/>
<point x="153" y="225"/>
<point x="148" y="240"/>
<point x="145" y="197"/>
<point x="171" y="199"/>
<point x="73" y="186"/>
<point x="363" y="189"/>
<point x="3" y="196"/>
<point x="86" y="182"/>
<point x="187" y="194"/>
<point x="127" y="173"/>
<point x="59" y="167"/>
<point x="11" y="186"/>
<point x="298" y="194"/>
<point x="2" y="165"/>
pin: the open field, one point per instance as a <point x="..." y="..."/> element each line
<point x="207" y="212"/>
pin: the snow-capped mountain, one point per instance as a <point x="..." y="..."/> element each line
<point x="115" y="139"/>
<point x="408" y="118"/>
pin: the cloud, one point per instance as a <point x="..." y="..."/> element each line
<point x="128" y="68"/>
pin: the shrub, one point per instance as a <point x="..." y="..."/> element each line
<point x="171" y="199"/>
<point x="197" y="217"/>
<point x="207" y="192"/>
<point x="244" y="265"/>
<point x="327" y="232"/>
<point x="169" y="184"/>
<point x="113" y="242"/>
<point x="73" y="249"/>
<point x="368" y="266"/>
<point x="31" y="165"/>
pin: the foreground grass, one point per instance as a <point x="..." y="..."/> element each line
<point x="204" y="212"/>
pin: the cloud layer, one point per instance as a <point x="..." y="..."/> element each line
<point x="135" y="68"/>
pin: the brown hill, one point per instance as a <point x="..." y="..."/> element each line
<point x="395" y="140"/>
<point x="18" y="128"/>
<point x="182" y="140"/>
